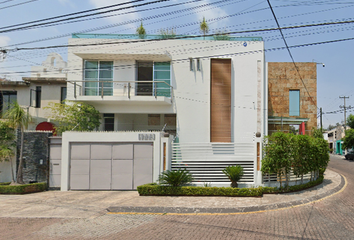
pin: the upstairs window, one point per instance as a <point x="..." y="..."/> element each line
<point x="98" y="76"/>
<point x="6" y="99"/>
<point x="294" y="102"/>
<point x="38" y="96"/>
<point x="62" y="94"/>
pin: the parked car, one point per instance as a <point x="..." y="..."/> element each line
<point x="350" y="155"/>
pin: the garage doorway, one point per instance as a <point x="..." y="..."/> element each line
<point x="110" y="166"/>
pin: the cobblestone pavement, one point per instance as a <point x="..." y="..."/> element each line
<point x="331" y="218"/>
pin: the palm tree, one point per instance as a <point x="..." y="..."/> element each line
<point x="18" y="118"/>
<point x="204" y="28"/>
<point x="141" y="31"/>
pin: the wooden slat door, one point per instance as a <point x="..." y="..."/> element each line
<point x="220" y="100"/>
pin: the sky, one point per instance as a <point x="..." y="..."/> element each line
<point x="333" y="80"/>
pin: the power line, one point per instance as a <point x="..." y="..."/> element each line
<point x="71" y="14"/>
<point x="87" y="15"/>
<point x="185" y="37"/>
<point x="291" y="56"/>
<point x="228" y="54"/>
<point x="18" y="4"/>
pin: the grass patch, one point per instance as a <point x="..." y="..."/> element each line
<point x="23" y="189"/>
<point x="5" y="183"/>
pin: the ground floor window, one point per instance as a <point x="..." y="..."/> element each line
<point x="108" y="121"/>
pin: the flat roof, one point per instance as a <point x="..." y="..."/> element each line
<point x="159" y="37"/>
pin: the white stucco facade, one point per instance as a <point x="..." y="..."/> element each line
<point x="190" y="96"/>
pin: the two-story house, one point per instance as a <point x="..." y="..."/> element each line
<point x="210" y="95"/>
<point x="46" y="84"/>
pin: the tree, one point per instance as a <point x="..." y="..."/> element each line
<point x="348" y="141"/>
<point x="350" y="121"/>
<point x="76" y="116"/>
<point x="204" y="28"/>
<point x="317" y="133"/>
<point x="7" y="144"/>
<point x="221" y="36"/>
<point x="330" y="127"/>
<point x="18" y="118"/>
<point x="167" y="33"/>
<point x="300" y="155"/>
<point x="278" y="153"/>
<point x="141" y="31"/>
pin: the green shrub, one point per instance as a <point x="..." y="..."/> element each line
<point x="159" y="190"/>
<point x="295" y="188"/>
<point x="23" y="189"/>
<point x="234" y="173"/>
<point x="175" y="178"/>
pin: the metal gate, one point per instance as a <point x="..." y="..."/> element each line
<point x="55" y="162"/>
<point x="110" y="166"/>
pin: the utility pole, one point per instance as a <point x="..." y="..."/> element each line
<point x="321" y="118"/>
<point x="345" y="112"/>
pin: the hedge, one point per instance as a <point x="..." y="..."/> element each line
<point x="296" y="188"/>
<point x="153" y="189"/>
<point x="159" y="190"/>
<point x="23" y="189"/>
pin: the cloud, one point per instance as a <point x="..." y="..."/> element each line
<point x="119" y="18"/>
<point x="4" y="41"/>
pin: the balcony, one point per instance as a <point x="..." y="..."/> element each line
<point x="124" y="92"/>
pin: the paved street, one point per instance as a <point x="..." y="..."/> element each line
<point x="331" y="218"/>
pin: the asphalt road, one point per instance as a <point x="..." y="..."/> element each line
<point x="331" y="218"/>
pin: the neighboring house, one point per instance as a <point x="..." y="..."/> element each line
<point x="210" y="95"/>
<point x="46" y="84"/>
<point x="335" y="141"/>
<point x="292" y="100"/>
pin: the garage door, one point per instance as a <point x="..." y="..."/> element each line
<point x="110" y="166"/>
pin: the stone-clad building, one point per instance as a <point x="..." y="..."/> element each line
<point x="290" y="103"/>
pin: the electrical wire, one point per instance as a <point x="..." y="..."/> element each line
<point x="76" y="17"/>
<point x="18" y="4"/>
<point x="291" y="56"/>
<point x="71" y="14"/>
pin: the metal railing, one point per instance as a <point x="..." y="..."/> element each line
<point x="205" y="161"/>
<point x="122" y="88"/>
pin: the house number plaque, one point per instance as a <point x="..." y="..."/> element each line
<point x="143" y="137"/>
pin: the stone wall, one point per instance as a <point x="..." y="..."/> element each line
<point x="35" y="154"/>
<point x="282" y="77"/>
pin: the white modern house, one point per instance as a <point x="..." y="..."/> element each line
<point x="209" y="95"/>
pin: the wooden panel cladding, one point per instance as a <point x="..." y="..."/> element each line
<point x="220" y="100"/>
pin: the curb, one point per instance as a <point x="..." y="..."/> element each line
<point x="227" y="211"/>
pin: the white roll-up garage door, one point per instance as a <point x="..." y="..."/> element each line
<point x="110" y="166"/>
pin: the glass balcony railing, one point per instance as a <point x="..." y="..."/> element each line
<point x="122" y="88"/>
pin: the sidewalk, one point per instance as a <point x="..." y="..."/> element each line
<point x="90" y="204"/>
<point x="333" y="183"/>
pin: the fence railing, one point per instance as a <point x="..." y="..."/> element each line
<point x="274" y="179"/>
<point x="205" y="161"/>
<point x="122" y="88"/>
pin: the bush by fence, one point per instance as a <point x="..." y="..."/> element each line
<point x="301" y="153"/>
<point x="23" y="189"/>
